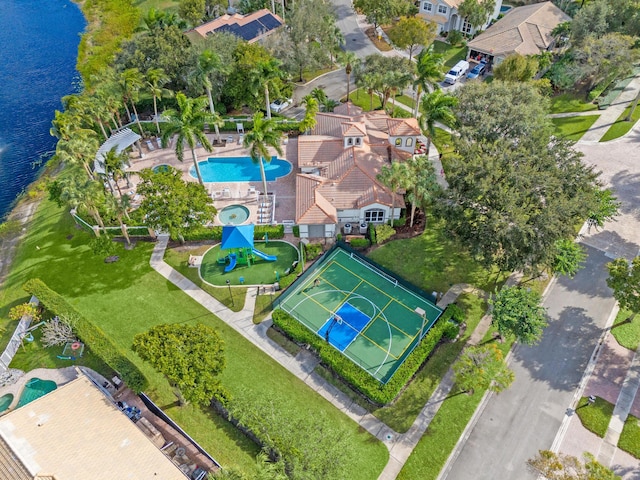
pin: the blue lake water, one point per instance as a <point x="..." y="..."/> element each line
<point x="240" y="169"/>
<point x="38" y="51"/>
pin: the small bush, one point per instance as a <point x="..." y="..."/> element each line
<point x="371" y="231"/>
<point x="455" y="313"/>
<point x="401" y="222"/>
<point x="312" y="251"/>
<point x="215" y="233"/>
<point x="451" y="330"/>
<point x="360" y="243"/>
<point x="296" y="231"/>
<point x="384" y="233"/>
<point x="454" y="37"/>
<point x="8" y="228"/>
<point x="90" y="334"/>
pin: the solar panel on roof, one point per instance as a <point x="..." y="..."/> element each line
<point x="270" y="22"/>
<point x="251" y="30"/>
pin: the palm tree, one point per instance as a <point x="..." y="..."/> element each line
<point x="114" y="167"/>
<point x="436" y="107"/>
<point x="208" y="63"/>
<point x="155" y="81"/>
<point x="265" y="75"/>
<point x="188" y="123"/>
<point x="395" y="176"/>
<point x="130" y="82"/>
<point x="78" y="192"/>
<point x="262" y="136"/>
<point x="119" y="210"/>
<point x="80" y="149"/>
<point x="349" y="60"/>
<point x="424" y="185"/>
<point x="368" y="82"/>
<point x="429" y="72"/>
<point x="309" y="121"/>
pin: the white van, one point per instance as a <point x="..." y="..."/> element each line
<point x="458" y="71"/>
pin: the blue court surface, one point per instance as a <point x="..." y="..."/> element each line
<point x="343" y="333"/>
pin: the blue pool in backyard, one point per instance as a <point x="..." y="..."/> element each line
<point x="240" y="169"/>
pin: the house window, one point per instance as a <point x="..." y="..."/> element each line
<point x="398" y="142"/>
<point x="358" y="141"/>
<point x="442" y="9"/>
<point x="349" y="141"/>
<point x="409" y="142"/>
<point x="466" y="27"/>
<point x="374" y="216"/>
<point x="427" y="7"/>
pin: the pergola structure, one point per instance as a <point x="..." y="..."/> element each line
<point x="121" y="140"/>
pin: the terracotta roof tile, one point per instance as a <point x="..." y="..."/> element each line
<point x="329" y="124"/>
<point x="403" y="126"/>
<point x="248" y="27"/>
<point x="348" y="109"/>
<point x="353" y="129"/>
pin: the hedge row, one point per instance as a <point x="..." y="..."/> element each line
<point x="95" y="338"/>
<point x="215" y="233"/>
<point x="352" y="373"/>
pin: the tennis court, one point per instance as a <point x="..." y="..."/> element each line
<point x="361" y="311"/>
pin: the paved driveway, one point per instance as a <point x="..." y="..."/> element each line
<point x="525" y="418"/>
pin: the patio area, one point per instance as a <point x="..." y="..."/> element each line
<point x="225" y="194"/>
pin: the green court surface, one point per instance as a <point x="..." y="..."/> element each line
<point x="368" y="315"/>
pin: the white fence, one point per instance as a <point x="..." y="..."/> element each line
<point x="16" y="339"/>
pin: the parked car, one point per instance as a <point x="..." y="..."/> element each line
<point x="457" y="72"/>
<point x="280" y="105"/>
<point x="477" y="70"/>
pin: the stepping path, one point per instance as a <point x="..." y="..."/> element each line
<point x="304" y="363"/>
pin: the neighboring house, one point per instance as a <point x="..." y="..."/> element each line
<point x="445" y="14"/>
<point x="339" y="162"/>
<point x="252" y="28"/>
<point x="524" y="30"/>
<point x="77" y="432"/>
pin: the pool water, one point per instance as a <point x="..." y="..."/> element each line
<point x="5" y="401"/>
<point x="163" y="168"/>
<point x="233" y="215"/>
<point x="34" y="389"/>
<point x="505" y="8"/>
<point x="240" y="169"/>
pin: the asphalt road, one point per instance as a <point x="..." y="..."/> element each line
<point x="525" y="418"/>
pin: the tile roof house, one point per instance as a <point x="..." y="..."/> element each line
<point x="251" y="28"/>
<point x="77" y="432"/>
<point x="445" y="14"/>
<point x="339" y="161"/>
<point x="524" y="30"/>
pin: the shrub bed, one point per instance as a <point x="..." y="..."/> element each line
<point x="275" y="232"/>
<point x="95" y="338"/>
<point x="352" y="373"/>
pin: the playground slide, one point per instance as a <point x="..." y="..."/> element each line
<point x="232" y="263"/>
<point x="264" y="256"/>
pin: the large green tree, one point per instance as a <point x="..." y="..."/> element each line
<point x="192" y="11"/>
<point x="258" y="140"/>
<point x="517" y="313"/>
<point x="606" y="208"/>
<point x="381" y="12"/>
<point x="423" y="187"/>
<point x="482" y="368"/>
<point x="476" y="12"/>
<point x="395" y="177"/>
<point x="187" y="124"/>
<point x="569" y="257"/>
<point x="516" y="68"/>
<point x="172" y="205"/>
<point x="412" y="32"/>
<point x="190" y="356"/>
<point x="387" y="75"/>
<point x="624" y="280"/>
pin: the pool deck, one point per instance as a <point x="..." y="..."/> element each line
<point x="226" y="193"/>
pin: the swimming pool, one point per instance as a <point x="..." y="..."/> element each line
<point x="162" y="168"/>
<point x="5" y="401"/>
<point x="233" y="215"/>
<point x="34" y="389"/>
<point x="505" y="8"/>
<point x="240" y="169"/>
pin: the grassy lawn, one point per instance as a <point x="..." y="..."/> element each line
<point x="363" y="100"/>
<point x="263" y="306"/>
<point x="406" y="100"/>
<point x="626" y="334"/>
<point x="452" y="55"/>
<point x="402" y="413"/>
<point x="309" y="75"/>
<point x="570" y="102"/>
<point x="621" y="127"/>
<point x="443" y="142"/>
<point x="630" y="437"/>
<point x="146" y="5"/>
<point x="573" y="128"/>
<point x="178" y="258"/>
<point x="434" y="261"/>
<point x="596" y="417"/>
<point x="127" y="297"/>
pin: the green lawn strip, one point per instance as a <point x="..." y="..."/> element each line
<point x="443" y="141"/>
<point x="362" y="99"/>
<point x="573" y="128"/>
<point x="434" y="261"/>
<point x="401" y="414"/>
<point x="621" y="126"/>
<point x="452" y="55"/>
<point x="406" y="100"/>
<point x="127" y="297"/>
<point x="626" y="333"/>
<point x="595" y="417"/>
<point x="630" y="437"/>
<point x="291" y="347"/>
<point x="263" y="306"/>
<point x="570" y="102"/>
<point x="179" y="260"/>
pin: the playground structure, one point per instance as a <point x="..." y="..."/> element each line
<point x="237" y="247"/>
<point x="72" y="351"/>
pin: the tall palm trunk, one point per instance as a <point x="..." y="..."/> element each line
<point x="266" y="97"/>
<point x="264" y="177"/>
<point x="155" y="113"/>
<point x="124" y="230"/>
<point x="135" y="111"/>
<point x="195" y="163"/>
<point x="213" y="112"/>
<point x="413" y="212"/>
<point x="104" y="132"/>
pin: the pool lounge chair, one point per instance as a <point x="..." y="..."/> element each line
<point x="150" y="145"/>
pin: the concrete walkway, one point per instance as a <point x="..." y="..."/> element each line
<point x="303" y="364"/>
<point x="609" y="116"/>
